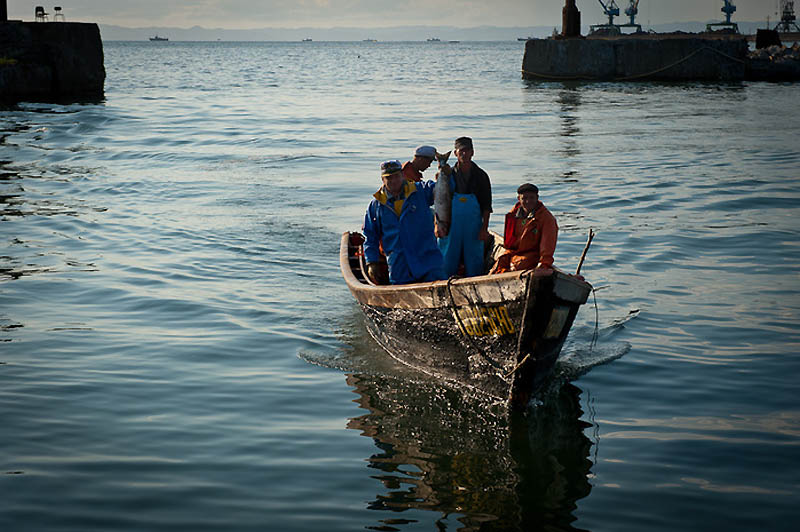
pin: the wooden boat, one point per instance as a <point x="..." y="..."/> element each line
<point x="499" y="335"/>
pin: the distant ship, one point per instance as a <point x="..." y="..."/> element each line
<point x="157" y="38"/>
<point x="434" y="39"/>
<point x="524" y="38"/>
<point x="370" y="40"/>
<point x="307" y="40"/>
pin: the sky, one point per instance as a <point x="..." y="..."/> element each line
<point x="251" y="14"/>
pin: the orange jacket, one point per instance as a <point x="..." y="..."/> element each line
<point x="529" y="242"/>
<point x="411" y="173"/>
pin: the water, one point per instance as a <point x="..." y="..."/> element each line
<point x="179" y="350"/>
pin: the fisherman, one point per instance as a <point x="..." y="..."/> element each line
<point x="399" y="221"/>
<point x="530" y="235"/>
<point x="423" y="157"/>
<point x="471" y="207"/>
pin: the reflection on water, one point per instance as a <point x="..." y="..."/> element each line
<point x="445" y="452"/>
<point x="568" y="101"/>
<point x="166" y="255"/>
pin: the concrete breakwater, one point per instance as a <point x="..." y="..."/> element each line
<point x="50" y="61"/>
<point x="630" y="58"/>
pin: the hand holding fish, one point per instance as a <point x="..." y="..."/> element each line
<point x="443" y="196"/>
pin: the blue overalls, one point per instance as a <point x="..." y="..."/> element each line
<point x="462" y="242"/>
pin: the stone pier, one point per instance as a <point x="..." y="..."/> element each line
<point x="658" y="57"/>
<point x="50" y="61"/>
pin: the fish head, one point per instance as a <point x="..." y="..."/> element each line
<point x="441" y="159"/>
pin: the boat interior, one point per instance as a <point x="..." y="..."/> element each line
<point x="358" y="265"/>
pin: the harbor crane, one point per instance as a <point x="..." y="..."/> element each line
<point x="611" y="10"/>
<point x="632" y="10"/>
<point x="729" y="9"/>
<point x="788" y="20"/>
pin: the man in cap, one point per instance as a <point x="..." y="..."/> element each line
<point x="471" y="207"/>
<point x="530" y="235"/>
<point x="423" y="157"/>
<point x="399" y="220"/>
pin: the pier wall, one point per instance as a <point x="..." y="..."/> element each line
<point x="50" y="61"/>
<point x="632" y="58"/>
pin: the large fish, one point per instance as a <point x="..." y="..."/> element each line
<point x="442" y="196"/>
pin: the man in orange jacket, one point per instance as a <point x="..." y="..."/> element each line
<point x="423" y="157"/>
<point x="530" y="235"/>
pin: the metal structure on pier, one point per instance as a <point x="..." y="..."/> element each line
<point x="788" y="23"/>
<point x="729" y="9"/>
<point x="611" y="10"/>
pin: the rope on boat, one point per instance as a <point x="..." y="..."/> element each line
<point x="596" y="332"/>
<point x="510" y="373"/>
<point x="528" y="284"/>
<point x="628" y="78"/>
<point x="463" y="329"/>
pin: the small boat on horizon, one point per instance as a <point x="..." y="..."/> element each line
<point x="434" y="39"/>
<point x="499" y="335"/>
<point x="157" y="38"/>
<point x="307" y="40"/>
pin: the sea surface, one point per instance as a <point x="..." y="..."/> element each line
<point x="178" y="350"/>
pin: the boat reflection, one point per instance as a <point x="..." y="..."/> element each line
<point x="442" y="451"/>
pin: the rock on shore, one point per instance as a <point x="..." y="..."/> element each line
<point x="774" y="63"/>
<point x="50" y="61"/>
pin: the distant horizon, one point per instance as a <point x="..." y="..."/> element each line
<point x="374" y="14"/>
<point x="398" y="33"/>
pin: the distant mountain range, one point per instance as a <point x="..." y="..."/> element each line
<point x="396" y="33"/>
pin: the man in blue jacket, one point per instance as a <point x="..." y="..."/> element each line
<point x="399" y="220"/>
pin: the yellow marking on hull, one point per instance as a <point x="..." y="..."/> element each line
<point x="485" y="321"/>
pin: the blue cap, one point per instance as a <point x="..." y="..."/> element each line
<point x="390" y="167"/>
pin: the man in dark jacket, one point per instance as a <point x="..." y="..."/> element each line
<point x="471" y="207"/>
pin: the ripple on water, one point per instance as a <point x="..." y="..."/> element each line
<point x="171" y="301"/>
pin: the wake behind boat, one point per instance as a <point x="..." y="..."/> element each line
<point x="499" y="334"/>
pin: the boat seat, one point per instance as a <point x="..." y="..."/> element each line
<point x="40" y="14"/>
<point x="58" y="14"/>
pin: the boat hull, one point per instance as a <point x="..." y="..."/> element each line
<point x="499" y="335"/>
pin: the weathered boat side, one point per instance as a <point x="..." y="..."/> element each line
<point x="497" y="334"/>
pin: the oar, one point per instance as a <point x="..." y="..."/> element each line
<point x="583" y="255"/>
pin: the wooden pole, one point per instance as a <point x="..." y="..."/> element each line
<point x="586" y="249"/>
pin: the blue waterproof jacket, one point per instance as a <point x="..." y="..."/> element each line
<point x="408" y="240"/>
